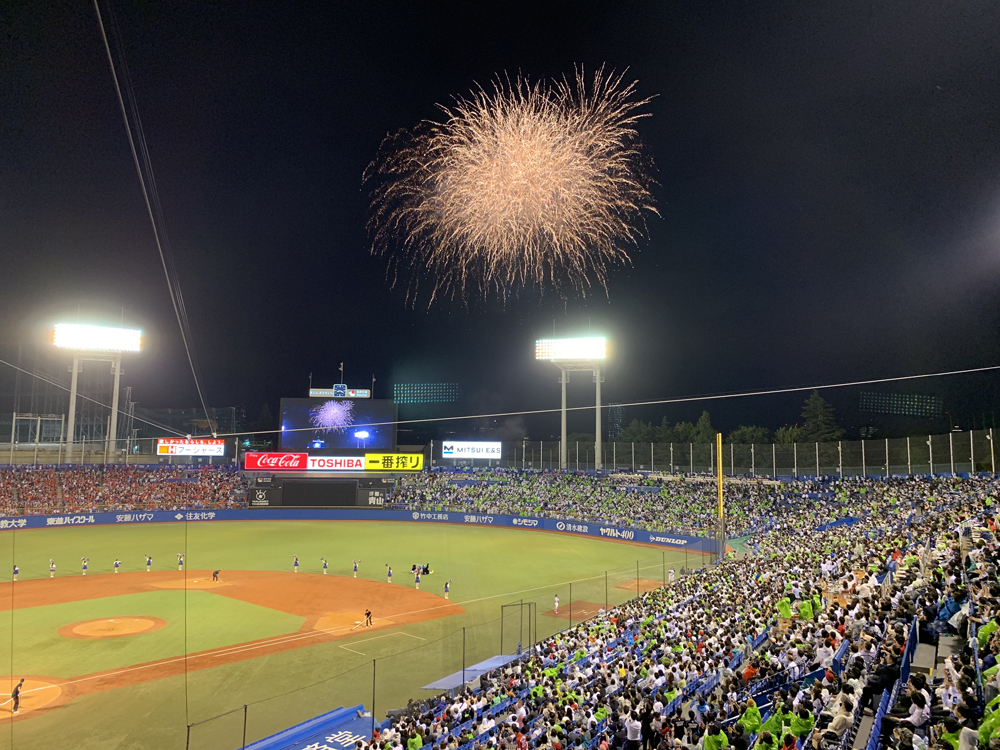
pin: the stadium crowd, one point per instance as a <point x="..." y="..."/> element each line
<point x="38" y="491"/>
<point x="782" y="649"/>
<point x="670" y="504"/>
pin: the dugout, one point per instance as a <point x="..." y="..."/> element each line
<point x="287" y="492"/>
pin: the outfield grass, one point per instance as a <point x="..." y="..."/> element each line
<point x="489" y="567"/>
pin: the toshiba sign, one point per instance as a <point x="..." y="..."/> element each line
<point x="301" y="462"/>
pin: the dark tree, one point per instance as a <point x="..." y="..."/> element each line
<point x="746" y="434"/>
<point x="265" y="421"/>
<point x="820" y="424"/>
<point x="703" y="431"/>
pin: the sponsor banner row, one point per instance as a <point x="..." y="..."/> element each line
<point x="305" y="462"/>
<point x="566" y="526"/>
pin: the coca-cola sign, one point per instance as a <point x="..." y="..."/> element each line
<point x="276" y="461"/>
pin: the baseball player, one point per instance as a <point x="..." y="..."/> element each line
<point x="149" y="562"/>
<point x="52" y="568"/>
<point x="355" y="567"/>
<point x="180" y="561"/>
<point x="557" y="604"/>
<point x="325" y="565"/>
<point x="16" y="695"/>
<point x="84" y="561"/>
<point x="416" y="580"/>
<point x="117" y="563"/>
<point x="670" y="575"/>
<point x="295" y="563"/>
<point x="15" y="571"/>
<point x="447" y="588"/>
<point x="388" y="573"/>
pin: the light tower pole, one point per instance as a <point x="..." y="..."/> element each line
<point x="598" y="452"/>
<point x="583" y="354"/>
<point x="95" y="343"/>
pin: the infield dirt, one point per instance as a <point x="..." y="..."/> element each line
<point x="329" y="605"/>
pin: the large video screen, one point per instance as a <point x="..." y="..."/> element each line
<point x="337" y="424"/>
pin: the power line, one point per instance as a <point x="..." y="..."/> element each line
<point x="654" y="402"/>
<point x="147" y="181"/>
<point x="57" y="384"/>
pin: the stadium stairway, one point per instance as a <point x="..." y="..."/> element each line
<point x="947" y="646"/>
<point x="924" y="659"/>
<point x="863" y="734"/>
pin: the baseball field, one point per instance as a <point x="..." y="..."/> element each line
<point x="131" y="659"/>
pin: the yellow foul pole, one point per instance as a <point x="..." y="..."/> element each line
<point x="718" y="463"/>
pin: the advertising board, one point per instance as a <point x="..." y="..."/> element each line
<point x="190" y="447"/>
<point x="394" y="461"/>
<point x="305" y="462"/>
<point x="260" y="513"/>
<point x="470" y="449"/>
<point x="301" y="462"/>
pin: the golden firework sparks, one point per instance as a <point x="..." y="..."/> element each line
<point x="527" y="185"/>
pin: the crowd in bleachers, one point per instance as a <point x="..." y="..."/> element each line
<point x="37" y="491"/>
<point x="676" y="504"/>
<point x="788" y="648"/>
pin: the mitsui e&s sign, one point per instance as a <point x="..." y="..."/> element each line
<point x="469" y="449"/>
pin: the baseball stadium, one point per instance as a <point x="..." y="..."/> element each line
<point x="584" y="376"/>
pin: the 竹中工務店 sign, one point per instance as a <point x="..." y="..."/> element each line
<point x="190" y="447"/>
<point x="394" y="461"/>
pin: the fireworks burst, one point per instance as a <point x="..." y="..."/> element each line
<point x="527" y="185"/>
<point x="332" y="416"/>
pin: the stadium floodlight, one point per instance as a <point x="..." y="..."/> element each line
<point x="84" y="338"/>
<point x="89" y="342"/>
<point x="585" y="354"/>
<point x="571" y="350"/>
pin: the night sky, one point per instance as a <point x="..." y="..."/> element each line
<point x="829" y="190"/>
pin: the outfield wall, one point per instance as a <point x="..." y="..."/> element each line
<point x="567" y="526"/>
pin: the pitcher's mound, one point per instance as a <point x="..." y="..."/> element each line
<point x="192" y="583"/>
<point x="36" y="693"/>
<point x="112" y="627"/>
<point x="580" y="611"/>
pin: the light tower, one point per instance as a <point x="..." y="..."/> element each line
<point x="582" y="354"/>
<point x="102" y="344"/>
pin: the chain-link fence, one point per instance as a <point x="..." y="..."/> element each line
<point x="955" y="452"/>
<point x="952" y="453"/>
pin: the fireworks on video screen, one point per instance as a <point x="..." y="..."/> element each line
<point x="528" y="185"/>
<point x="332" y="416"/>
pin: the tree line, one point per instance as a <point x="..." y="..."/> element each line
<point x="819" y="425"/>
